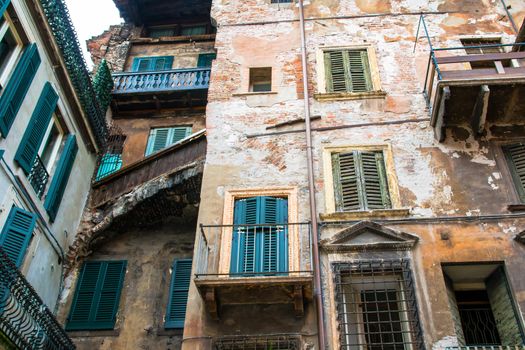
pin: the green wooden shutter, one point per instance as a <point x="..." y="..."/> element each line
<point x="359" y="70"/>
<point x="178" y="134"/>
<point x="373" y="179"/>
<point x="17" y="233"/>
<point x="97" y="296"/>
<point x="109" y="164"/>
<point x="346" y="190"/>
<point x="150" y="64"/>
<point x="503" y="307"/>
<point x="3" y="6"/>
<point x="17" y="87"/>
<point x="61" y="177"/>
<point x="35" y="131"/>
<point x="178" y="298"/>
<point x="243" y="241"/>
<point x="336" y="63"/>
<point x="515" y="155"/>
<point x="205" y="60"/>
<point x="157" y="140"/>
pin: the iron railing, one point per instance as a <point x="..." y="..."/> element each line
<point x="168" y="80"/>
<point x="452" y="63"/>
<point x="257" y="250"/>
<point x="24" y="318"/>
<point x="66" y="38"/>
<point x="259" y="342"/>
<point x="38" y="177"/>
<point x="487" y="347"/>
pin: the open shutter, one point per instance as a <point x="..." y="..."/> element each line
<point x="61" y="177"/>
<point x="454" y="310"/>
<point x="359" y="70"/>
<point x="97" y="296"/>
<point x="373" y="179"/>
<point x="178" y="134"/>
<point x="3" y="6"/>
<point x="504" y="309"/>
<point x="35" y="131"/>
<point x="17" y="86"/>
<point x="336" y="63"/>
<point x="515" y="155"/>
<point x="180" y="285"/>
<point x="347" y="192"/>
<point x="16" y="234"/>
<point x="205" y="60"/>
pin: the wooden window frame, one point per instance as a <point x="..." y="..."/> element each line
<point x="20" y="38"/>
<point x="330" y="204"/>
<point x="291" y="193"/>
<point x="322" y="91"/>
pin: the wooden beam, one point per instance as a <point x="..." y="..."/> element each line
<point x="298" y="301"/>
<point x="479" y="113"/>
<point x="212" y="304"/>
<point x="439" y="127"/>
<point x="483" y="73"/>
<point x="481" y="58"/>
<point x="499" y="67"/>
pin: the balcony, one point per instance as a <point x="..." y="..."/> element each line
<point x="162" y="89"/>
<point x="25" y="320"/>
<point x="272" y="265"/>
<point x="482" y="93"/>
<point x="38" y="177"/>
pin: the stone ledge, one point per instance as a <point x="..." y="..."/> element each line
<point x="251" y="93"/>
<point x="364" y="214"/>
<point x="94" y="333"/>
<point x="170" y="332"/>
<point x="334" y="96"/>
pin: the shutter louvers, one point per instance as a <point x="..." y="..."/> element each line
<point x="337" y="71"/>
<point x="61" y="177"/>
<point x="3" y="6"/>
<point x="347" y="195"/>
<point x="97" y="296"/>
<point x="17" y="87"/>
<point x="36" y="130"/>
<point x="274" y="238"/>
<point x="161" y="139"/>
<point x="178" y="299"/>
<point x="359" y="70"/>
<point x="179" y="134"/>
<point x="374" y="180"/>
<point x="515" y="155"/>
<point x="16" y="234"/>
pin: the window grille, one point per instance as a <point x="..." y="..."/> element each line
<point x="281" y="342"/>
<point x="376" y="306"/>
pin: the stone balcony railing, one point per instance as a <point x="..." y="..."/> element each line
<point x="161" y="81"/>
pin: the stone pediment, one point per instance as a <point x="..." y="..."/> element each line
<point x="368" y="235"/>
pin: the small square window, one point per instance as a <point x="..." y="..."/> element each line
<point x="193" y="30"/>
<point x="261" y="79"/>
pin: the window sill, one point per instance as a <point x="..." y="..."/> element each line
<point x="365" y="214"/>
<point x="255" y="93"/>
<point x="170" y="332"/>
<point x="94" y="333"/>
<point x="513" y="208"/>
<point x="333" y="96"/>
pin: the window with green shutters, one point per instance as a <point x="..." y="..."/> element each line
<point x="260" y="236"/>
<point x="152" y="64"/>
<point x="205" y="60"/>
<point x="17" y="87"/>
<point x="109" y="164"/>
<point x="360" y="181"/>
<point x="160" y="138"/>
<point x="178" y="297"/>
<point x="16" y="234"/>
<point x="97" y="295"/>
<point x="515" y="155"/>
<point x="193" y="30"/>
<point x="61" y="177"/>
<point x="347" y="70"/>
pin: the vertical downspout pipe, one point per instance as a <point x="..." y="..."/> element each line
<point x="311" y="189"/>
<point x="509" y="15"/>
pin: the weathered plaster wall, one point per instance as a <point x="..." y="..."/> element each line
<point x="137" y="131"/>
<point x="150" y="253"/>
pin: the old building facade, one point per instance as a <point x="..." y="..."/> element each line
<point x="373" y="203"/>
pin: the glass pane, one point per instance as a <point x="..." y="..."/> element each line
<point x="7" y="47"/>
<point x="50" y="144"/>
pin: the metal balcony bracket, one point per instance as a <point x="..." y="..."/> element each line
<point x="479" y="113"/>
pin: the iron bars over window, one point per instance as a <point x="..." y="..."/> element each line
<point x="273" y="342"/>
<point x="376" y="306"/>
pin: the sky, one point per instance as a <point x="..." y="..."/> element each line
<point x="90" y="18"/>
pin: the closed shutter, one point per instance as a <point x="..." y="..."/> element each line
<point x="17" y="233"/>
<point x="3" y="6"/>
<point x="35" y="131"/>
<point x="348" y="71"/>
<point x="109" y="164"/>
<point x="205" y="60"/>
<point x="97" y="295"/>
<point x="61" y="177"/>
<point x="515" y="155"/>
<point x="17" y="86"/>
<point x="260" y="247"/>
<point x="151" y="64"/>
<point x="161" y="138"/>
<point x="178" y="298"/>
<point x="504" y="309"/>
<point x="360" y="181"/>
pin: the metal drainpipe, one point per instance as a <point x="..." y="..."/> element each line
<point x="311" y="188"/>
<point x="511" y="19"/>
